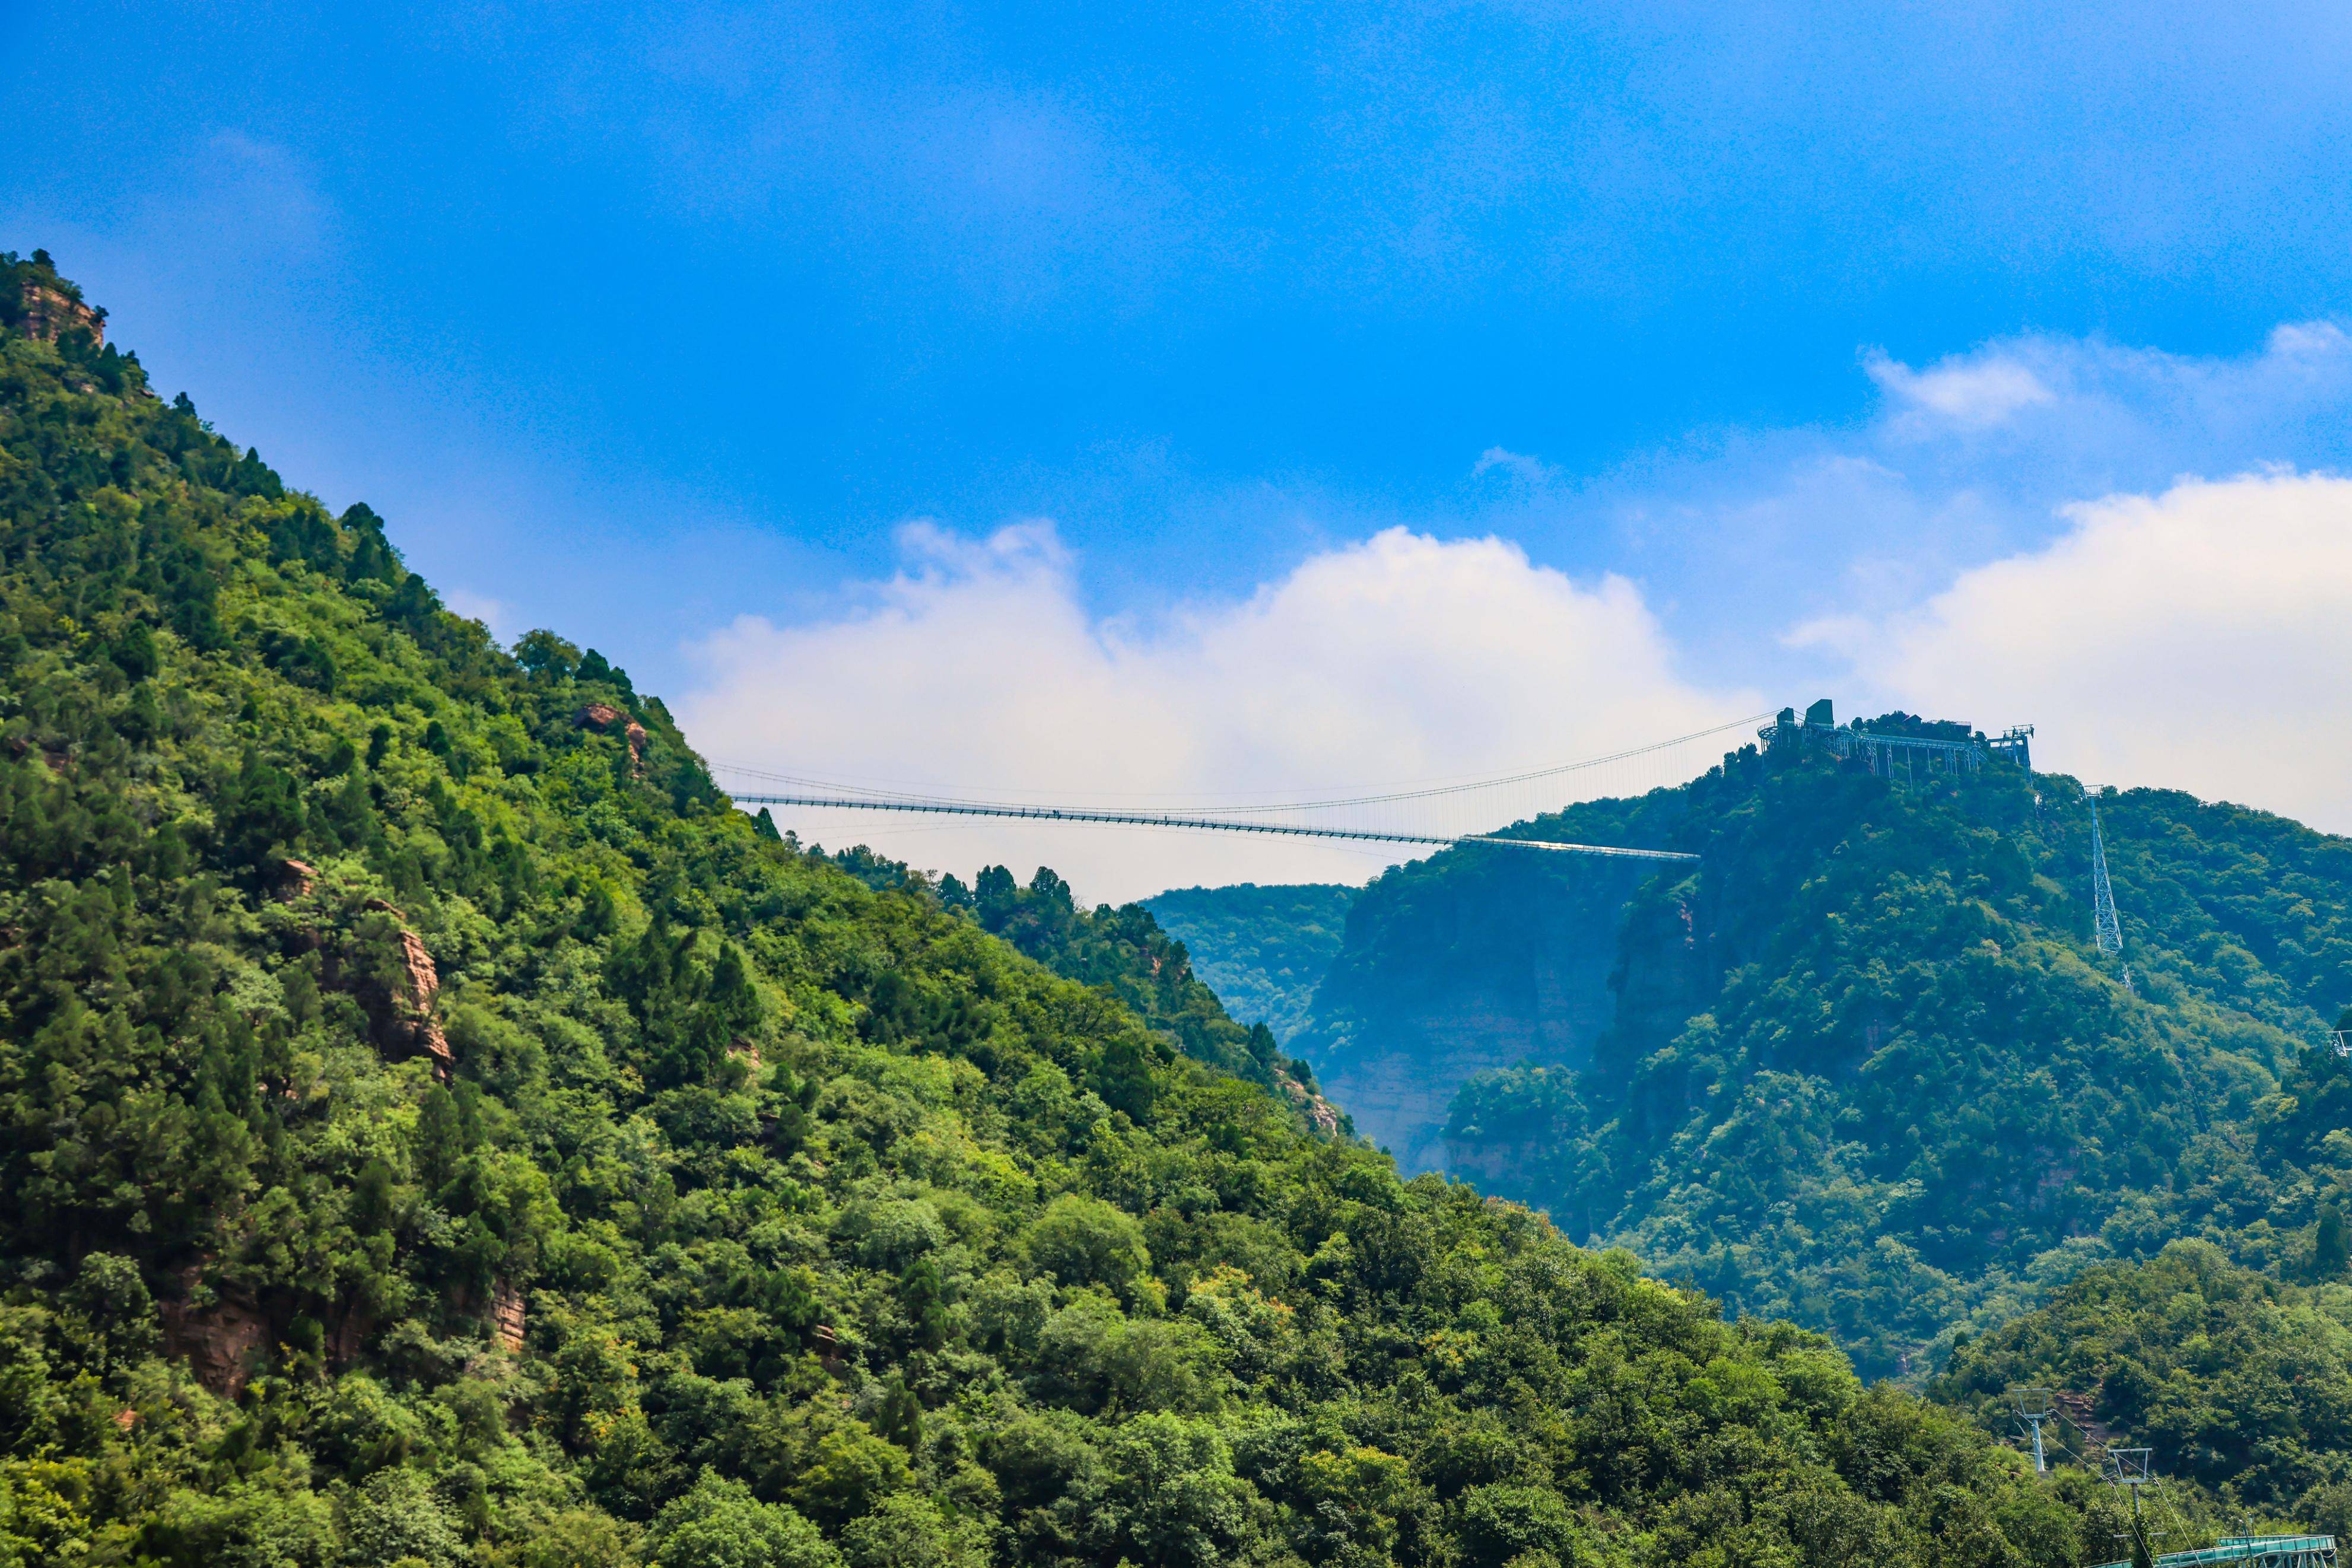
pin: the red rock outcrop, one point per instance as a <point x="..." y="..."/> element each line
<point x="218" y="1340"/>
<point x="1443" y="978"/>
<point x="416" y="1007"/>
<point x="605" y="716"/>
<point x="505" y="1317"/>
<point x="400" y="1000"/>
<point x="1319" y="1109"/>
<point x="400" y="1009"/>
<point x="2076" y="1410"/>
<point x="49" y="313"/>
<point x="350" y="1338"/>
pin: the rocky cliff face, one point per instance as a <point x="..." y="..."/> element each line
<point x="1446" y="974"/>
<point x="48" y="313"/>
<point x="1667" y="969"/>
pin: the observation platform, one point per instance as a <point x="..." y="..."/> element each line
<point x="1919" y="748"/>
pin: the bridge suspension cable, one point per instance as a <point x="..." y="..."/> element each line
<point x="1146" y="819"/>
<point x="1434" y="814"/>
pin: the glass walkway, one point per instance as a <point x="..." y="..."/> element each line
<point x="2256" y="1551"/>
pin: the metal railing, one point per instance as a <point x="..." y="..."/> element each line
<point x="1213" y="824"/>
<point x="2256" y="1551"/>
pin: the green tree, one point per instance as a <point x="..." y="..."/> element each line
<point x="395" y="1518"/>
<point x="2332" y="1244"/>
<point x="1082" y="1241"/>
<point x="720" y="1525"/>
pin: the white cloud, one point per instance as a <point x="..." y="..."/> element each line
<point x="1968" y="391"/>
<point x="1741" y="535"/>
<point x="493" y="613"/>
<point x="1404" y="658"/>
<point x="1849" y="635"/>
<point x="1520" y="467"/>
<point x="263" y="199"/>
<point x="1936" y="557"/>
<point x="2196" y="639"/>
<point x="2062" y="408"/>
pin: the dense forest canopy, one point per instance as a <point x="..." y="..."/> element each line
<point x="1121" y="950"/>
<point x="2240" y="1380"/>
<point x="440" y="1129"/>
<point x="1865" y="1068"/>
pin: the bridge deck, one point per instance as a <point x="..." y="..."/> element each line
<point x="1216" y="824"/>
<point x="2255" y="1551"/>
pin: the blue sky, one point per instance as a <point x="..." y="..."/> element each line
<point x="1786" y="319"/>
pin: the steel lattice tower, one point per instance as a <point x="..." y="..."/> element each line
<point x="2035" y="1406"/>
<point x="2109" y="931"/>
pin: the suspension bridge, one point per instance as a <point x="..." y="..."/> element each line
<point x="1434" y="814"/>
<point x="1442" y="813"/>
<point x="1429" y="813"/>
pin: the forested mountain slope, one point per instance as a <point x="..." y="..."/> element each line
<point x="1263" y="950"/>
<point x="1121" y="952"/>
<point x="2238" y="1378"/>
<point x="1864" y="1068"/>
<point x="2239" y="1381"/>
<point x="439" y="1129"/>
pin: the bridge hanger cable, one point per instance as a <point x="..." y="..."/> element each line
<point x="1333" y="804"/>
<point x="803" y="791"/>
<point x="1149" y="819"/>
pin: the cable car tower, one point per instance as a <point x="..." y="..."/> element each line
<point x="2034" y="1405"/>
<point x="2132" y="1471"/>
<point x="2132" y="1468"/>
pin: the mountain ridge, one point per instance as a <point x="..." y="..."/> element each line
<point x="1839" y="925"/>
<point x="707" y="1206"/>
